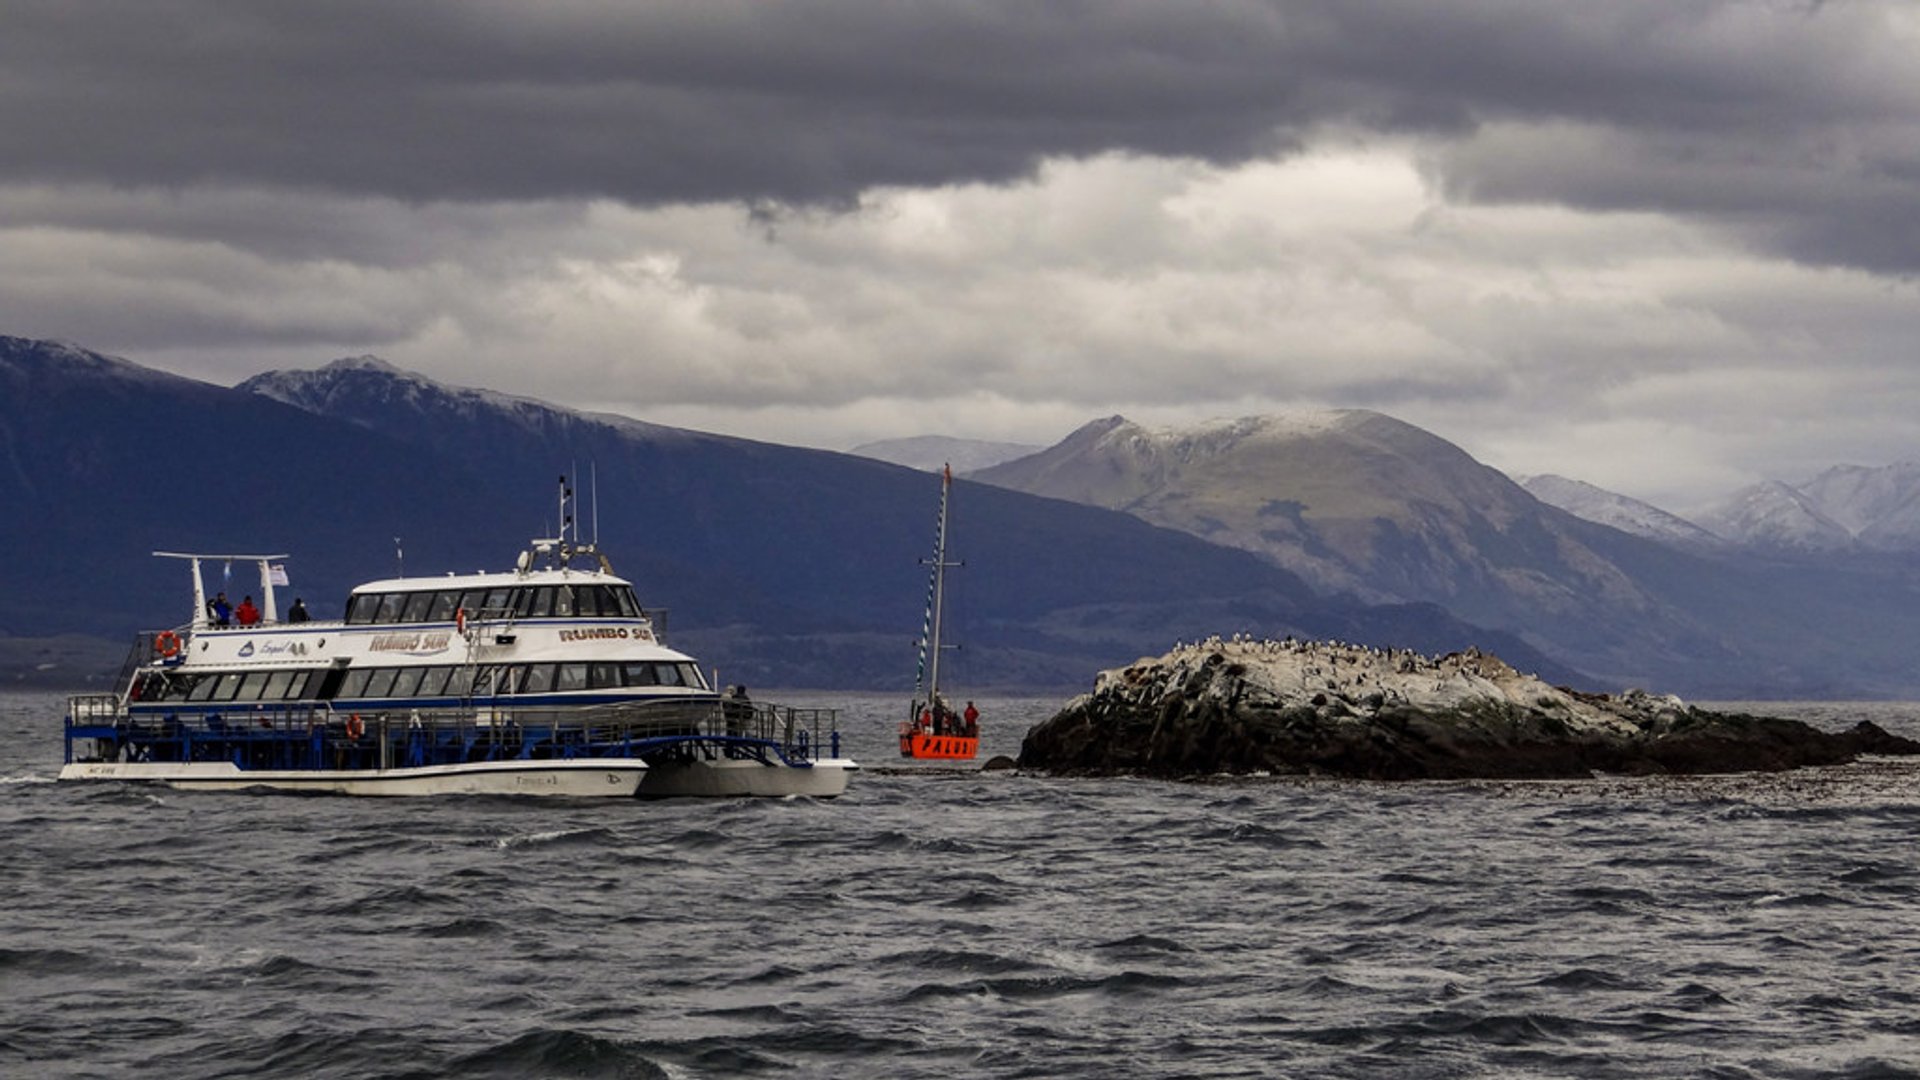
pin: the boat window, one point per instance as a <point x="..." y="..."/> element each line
<point x="178" y="687"/>
<point x="459" y="682"/>
<point x="623" y="595"/>
<point x="603" y="676"/>
<point x="572" y="677"/>
<point x="497" y="600"/>
<point x="563" y="606"/>
<point x="203" y="689"/>
<point x="690" y="675"/>
<point x="252" y="685"/>
<point x="507" y="678"/>
<point x="355" y="684"/>
<point x="381" y="684"/>
<point x="539" y="679"/>
<point x="668" y="674"/>
<point x="483" y="677"/>
<point x="277" y="683"/>
<point x="542" y="604"/>
<point x="586" y="601"/>
<point x="407" y="683"/>
<point x="521" y="601"/>
<point x="362" y="608"/>
<point x="639" y="674"/>
<point x="418" y="604"/>
<point x="473" y="600"/>
<point x="228" y="685"/>
<point x="391" y="606"/>
<point x="444" y="602"/>
<point x="433" y="681"/>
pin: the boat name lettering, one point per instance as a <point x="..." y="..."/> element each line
<point x="433" y="642"/>
<point x="601" y="633"/>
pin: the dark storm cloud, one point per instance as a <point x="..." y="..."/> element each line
<point x="1791" y="123"/>
<point x="653" y="103"/>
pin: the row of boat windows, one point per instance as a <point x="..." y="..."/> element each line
<point x="403" y="682"/>
<point x="500" y="601"/>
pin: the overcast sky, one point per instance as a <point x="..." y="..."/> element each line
<point x="1667" y="247"/>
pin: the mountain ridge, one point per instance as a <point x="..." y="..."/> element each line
<point x="782" y="566"/>
<point x="1358" y="501"/>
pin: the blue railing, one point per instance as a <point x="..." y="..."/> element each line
<point x="315" y="737"/>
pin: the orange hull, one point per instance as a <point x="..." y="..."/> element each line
<point x="923" y="744"/>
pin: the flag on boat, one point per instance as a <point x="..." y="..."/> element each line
<point x="277" y="573"/>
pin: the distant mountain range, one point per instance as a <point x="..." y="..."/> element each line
<point x="934" y="451"/>
<point x="782" y="567"/>
<point x="1846" y="509"/>
<point x="1360" y="503"/>
<point x="788" y="567"/>
<point x="1629" y="515"/>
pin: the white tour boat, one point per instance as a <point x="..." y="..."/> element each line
<point x="549" y="679"/>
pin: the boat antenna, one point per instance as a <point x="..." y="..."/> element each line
<point x="399" y="559"/>
<point x="593" y="485"/>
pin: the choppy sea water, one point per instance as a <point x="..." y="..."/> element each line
<point x="939" y="923"/>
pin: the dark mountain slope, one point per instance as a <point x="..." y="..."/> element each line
<point x="103" y="462"/>
<point x="753" y="545"/>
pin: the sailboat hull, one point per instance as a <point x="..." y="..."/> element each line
<point x="925" y="746"/>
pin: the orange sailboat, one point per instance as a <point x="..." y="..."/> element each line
<point x="932" y="729"/>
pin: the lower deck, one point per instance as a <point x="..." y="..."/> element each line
<point x="312" y="747"/>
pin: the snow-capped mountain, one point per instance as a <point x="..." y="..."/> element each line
<point x="1880" y="506"/>
<point x="1629" y="515"/>
<point x="370" y="392"/>
<point x="1776" y="517"/>
<point x="1356" y="501"/>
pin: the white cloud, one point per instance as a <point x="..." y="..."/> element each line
<point x="1653" y="355"/>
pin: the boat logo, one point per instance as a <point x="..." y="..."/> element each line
<point x="246" y="650"/>
<point x="412" y="644"/>
<point x="599" y="633"/>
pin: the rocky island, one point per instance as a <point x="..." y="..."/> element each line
<point x="1332" y="709"/>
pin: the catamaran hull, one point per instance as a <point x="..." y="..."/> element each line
<point x="598" y="778"/>
<point x="823" y="779"/>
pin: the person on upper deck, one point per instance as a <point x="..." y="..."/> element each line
<point x="220" y="611"/>
<point x="246" y="614"/>
<point x="298" y="612"/>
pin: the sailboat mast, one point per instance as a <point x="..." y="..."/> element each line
<point x="939" y="584"/>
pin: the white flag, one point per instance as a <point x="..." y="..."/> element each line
<point x="277" y="573"/>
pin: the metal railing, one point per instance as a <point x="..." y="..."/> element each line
<point x="309" y="736"/>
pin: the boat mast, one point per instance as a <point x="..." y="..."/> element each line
<point x="936" y="596"/>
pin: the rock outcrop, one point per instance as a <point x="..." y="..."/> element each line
<point x="1242" y="706"/>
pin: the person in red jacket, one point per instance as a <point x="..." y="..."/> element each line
<point x="246" y="614"/>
